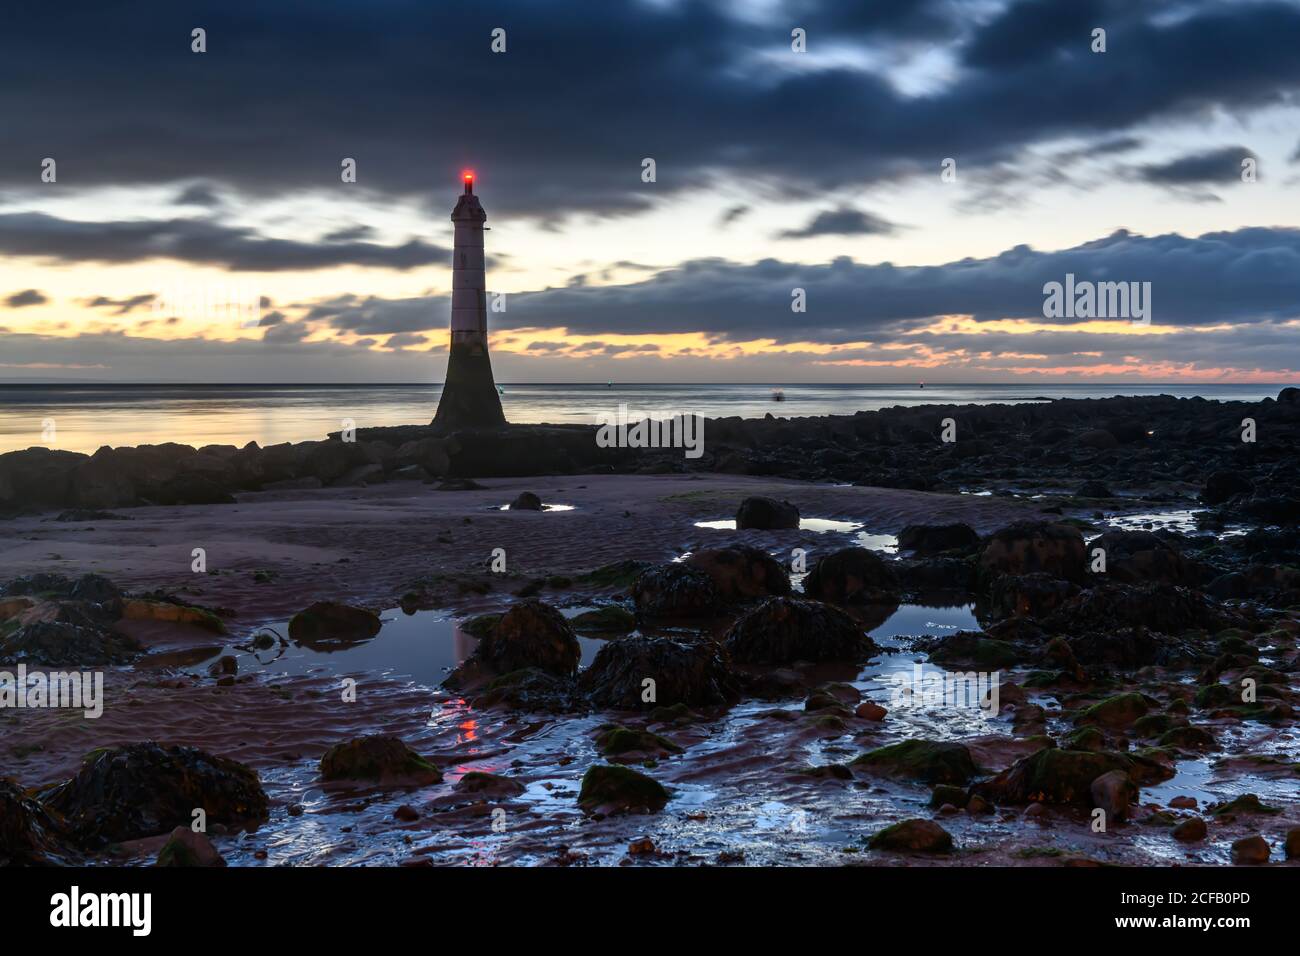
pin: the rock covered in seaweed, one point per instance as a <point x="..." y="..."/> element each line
<point x="694" y="673"/>
<point x="140" y="790"/>
<point x="378" y="758"/>
<point x="852" y="576"/>
<point x="786" y="630"/>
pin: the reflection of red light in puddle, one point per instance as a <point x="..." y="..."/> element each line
<point x="470" y="728"/>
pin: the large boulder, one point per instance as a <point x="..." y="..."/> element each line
<point x="612" y="789"/>
<point x="1029" y="547"/>
<point x="928" y="761"/>
<point x="1054" y="776"/>
<point x="1160" y="607"/>
<point x="328" y="625"/>
<point x="1029" y="595"/>
<point x="1134" y="557"/>
<point x="741" y="573"/>
<point x="928" y="539"/>
<point x="379" y="759"/>
<point x="60" y="644"/>
<point x="766" y="514"/>
<point x="37" y="478"/>
<point x="912" y="836"/>
<point x="852" y="576"/>
<point x="530" y="634"/>
<point x="140" y="790"/>
<point x="785" y="630"/>
<point x="675" y="591"/>
<point x="691" y="673"/>
<point x="1220" y="486"/>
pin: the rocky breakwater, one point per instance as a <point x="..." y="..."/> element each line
<point x="1096" y="447"/>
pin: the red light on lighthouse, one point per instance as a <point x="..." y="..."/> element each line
<point x="468" y="176"/>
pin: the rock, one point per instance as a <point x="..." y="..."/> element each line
<point x="528" y="689"/>
<point x="1114" y="793"/>
<point x="1250" y="851"/>
<point x="526" y="501"/>
<point x="786" y="630"/>
<point x="852" y="575"/>
<point x="530" y="634"/>
<point x="169" y="612"/>
<point x="930" y="539"/>
<point x="1292" y="842"/>
<point x="57" y="644"/>
<point x="869" y="710"/>
<point x="610" y="619"/>
<point x="694" y="674"/>
<point x="947" y="794"/>
<point x="1029" y="547"/>
<point x="380" y="759"/>
<point x="917" y="836"/>
<point x="1030" y="595"/>
<point x="931" y="762"/>
<point x="327" y="625"/>
<point x="1052" y="776"/>
<point x="617" y="740"/>
<point x="741" y="573"/>
<point x="29" y="835"/>
<point x="612" y="789"/>
<point x="1160" y="607"/>
<point x="406" y="813"/>
<point x="489" y="785"/>
<point x="675" y="591"/>
<point x="1097" y="438"/>
<point x="361" y="476"/>
<point x="189" y="489"/>
<point x="1134" y="557"/>
<point x="1246" y="803"/>
<point x="1115" y="712"/>
<point x="976" y="805"/>
<point x="225" y="664"/>
<point x="430" y="455"/>
<point x="1093" y="489"/>
<point x="765" y="514"/>
<point x="187" y="848"/>
<point x="1188" y="738"/>
<point x="1190" y="830"/>
<point x="1221" y="486"/>
<point x="140" y="790"/>
<point x="96" y="589"/>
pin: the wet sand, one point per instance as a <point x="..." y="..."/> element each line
<point x="739" y="793"/>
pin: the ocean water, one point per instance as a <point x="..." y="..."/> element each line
<point x="85" y="417"/>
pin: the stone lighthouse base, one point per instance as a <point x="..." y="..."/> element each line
<point x="469" y="394"/>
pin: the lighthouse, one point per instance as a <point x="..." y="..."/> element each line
<point x="469" y="395"/>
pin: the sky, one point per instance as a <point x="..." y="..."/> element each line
<point x="922" y="170"/>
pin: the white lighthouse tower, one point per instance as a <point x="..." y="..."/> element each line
<point x="469" y="394"/>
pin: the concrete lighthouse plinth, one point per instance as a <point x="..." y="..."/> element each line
<point x="469" y="395"/>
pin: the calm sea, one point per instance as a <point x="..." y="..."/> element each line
<point x="84" y="417"/>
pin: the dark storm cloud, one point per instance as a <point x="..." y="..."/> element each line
<point x="198" y="194"/>
<point x="1215" y="166"/>
<point x="371" y="315"/>
<point x="270" y="319"/>
<point x="121" y="306"/>
<point x="844" y="221"/>
<point x="560" y="122"/>
<point x="26" y="297"/>
<point x="196" y="241"/>
<point x="1250" y="275"/>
